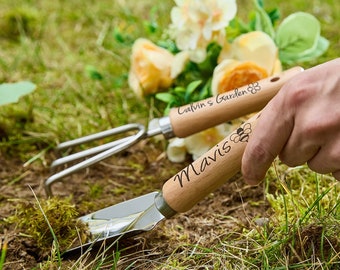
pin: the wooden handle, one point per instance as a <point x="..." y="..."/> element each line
<point x="201" y="115"/>
<point x="210" y="171"/>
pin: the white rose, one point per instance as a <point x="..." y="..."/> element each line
<point x="196" y="23"/>
<point x="196" y="144"/>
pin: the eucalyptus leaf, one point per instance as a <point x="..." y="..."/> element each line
<point x="321" y="48"/>
<point x="11" y="92"/>
<point x="298" y="35"/>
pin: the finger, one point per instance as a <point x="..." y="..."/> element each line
<point x="270" y="135"/>
<point x="326" y="160"/>
<point x="309" y="134"/>
<point x="299" y="148"/>
<point x="336" y="175"/>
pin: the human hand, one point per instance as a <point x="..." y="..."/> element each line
<point x="300" y="124"/>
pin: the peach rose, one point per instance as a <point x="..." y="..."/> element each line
<point x="251" y="57"/>
<point x="150" y="69"/>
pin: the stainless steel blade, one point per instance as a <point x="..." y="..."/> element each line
<point x="124" y="219"/>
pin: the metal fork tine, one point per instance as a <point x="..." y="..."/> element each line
<point x="88" y="152"/>
<point x="92" y="137"/>
<point x="104" y="151"/>
<point x="99" y="135"/>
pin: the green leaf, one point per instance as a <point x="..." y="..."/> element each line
<point x="262" y="20"/>
<point x="274" y="15"/>
<point x="169" y="45"/>
<point x="260" y="3"/>
<point x="167" y="110"/>
<point x="11" y="92"/>
<point x="192" y="86"/>
<point x="190" y="89"/>
<point x="237" y="27"/>
<point x="298" y="35"/>
<point x="122" y="37"/>
<point x="165" y="97"/>
<point x="206" y="90"/>
<point x="93" y="73"/>
<point x="179" y="90"/>
<point x="151" y="25"/>
<point x="118" y="35"/>
<point x="210" y="62"/>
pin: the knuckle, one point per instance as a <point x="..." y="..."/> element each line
<point x="299" y="90"/>
<point x="298" y="96"/>
<point x="260" y="154"/>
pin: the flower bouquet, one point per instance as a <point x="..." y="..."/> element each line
<point x="207" y="50"/>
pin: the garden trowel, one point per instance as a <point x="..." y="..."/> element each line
<point x="179" y="194"/>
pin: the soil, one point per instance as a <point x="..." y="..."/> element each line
<point x="139" y="170"/>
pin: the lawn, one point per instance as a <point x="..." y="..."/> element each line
<point x="78" y="56"/>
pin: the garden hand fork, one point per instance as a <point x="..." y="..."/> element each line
<point x="181" y="122"/>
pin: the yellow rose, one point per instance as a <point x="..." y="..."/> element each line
<point x="251" y="57"/>
<point x="180" y="60"/>
<point x="150" y="69"/>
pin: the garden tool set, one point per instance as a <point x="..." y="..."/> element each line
<point x="182" y="191"/>
<point x="181" y="122"/>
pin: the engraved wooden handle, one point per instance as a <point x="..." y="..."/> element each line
<point x="210" y="171"/>
<point x="198" y="116"/>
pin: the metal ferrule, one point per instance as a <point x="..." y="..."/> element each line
<point x="163" y="206"/>
<point x="166" y="127"/>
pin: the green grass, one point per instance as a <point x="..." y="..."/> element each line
<point x="58" y="51"/>
<point x="77" y="53"/>
<point x="64" y="45"/>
